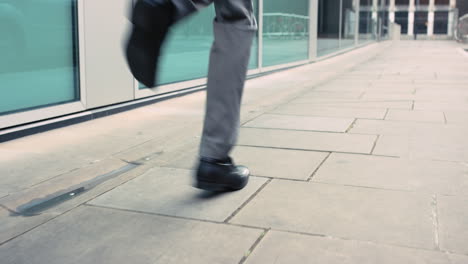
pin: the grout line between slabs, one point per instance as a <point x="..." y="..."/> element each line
<point x="375" y="144"/>
<point x="246" y="202"/>
<point x="323" y="116"/>
<point x="255" y="244"/>
<point x="386" y="113"/>
<point x="318" y="167"/>
<point x="267" y="230"/>
<point x="351" y="125"/>
<point x="292" y="129"/>
<point x="322" y="151"/>
<point x="67" y="210"/>
<point x="364" y="241"/>
<point x="435" y="222"/>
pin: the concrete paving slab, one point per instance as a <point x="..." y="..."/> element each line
<point x="325" y="124"/>
<point x="325" y="250"/>
<point x="279" y="163"/>
<point x="3" y="193"/>
<point x="440" y="106"/>
<point x="169" y="191"/>
<point x="449" y="178"/>
<point x="70" y="156"/>
<point x="416" y="116"/>
<point x="420" y="146"/>
<point x="14" y="225"/>
<point x="332" y="95"/>
<point x="458" y="259"/>
<point x="96" y="235"/>
<point x="453" y="227"/>
<point x="259" y="161"/>
<point x="390" y="127"/>
<point x="314" y="110"/>
<point x="375" y="95"/>
<point x="325" y="100"/>
<point x="391" y="217"/>
<point x="306" y="140"/>
<point x="456" y="117"/>
<point x="84" y="177"/>
<point x="358" y="104"/>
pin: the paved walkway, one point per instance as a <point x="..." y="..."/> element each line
<point x="362" y="158"/>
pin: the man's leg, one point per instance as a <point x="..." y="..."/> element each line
<point x="234" y="30"/>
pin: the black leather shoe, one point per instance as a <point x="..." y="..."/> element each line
<point x="151" y="21"/>
<point x="220" y="176"/>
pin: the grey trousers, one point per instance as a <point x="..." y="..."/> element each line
<point x="234" y="29"/>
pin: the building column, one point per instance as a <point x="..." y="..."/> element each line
<point x="357" y="8"/>
<point x="313" y="32"/>
<point x="451" y="18"/>
<point x="430" y="18"/>
<point x="391" y="11"/>
<point x="411" y="10"/>
<point x="375" y="15"/>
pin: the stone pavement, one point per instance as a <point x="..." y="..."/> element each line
<point x="361" y="158"/>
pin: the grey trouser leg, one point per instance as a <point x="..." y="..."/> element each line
<point x="229" y="60"/>
<point x="234" y="29"/>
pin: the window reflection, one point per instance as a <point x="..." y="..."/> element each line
<point x="38" y="51"/>
<point x="285" y="31"/>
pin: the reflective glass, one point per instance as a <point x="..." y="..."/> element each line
<point x="440" y="22"/>
<point x="185" y="55"/>
<point x="442" y="2"/>
<point x="402" y="2"/>
<point x="420" y="22"/>
<point x="285" y="31"/>
<point x="38" y="54"/>
<point x="366" y="24"/>
<point x="401" y="18"/>
<point x="328" y="27"/>
<point x="348" y="24"/>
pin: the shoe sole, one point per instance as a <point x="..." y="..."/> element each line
<point x="216" y="187"/>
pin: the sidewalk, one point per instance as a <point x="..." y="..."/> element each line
<point x="361" y="158"/>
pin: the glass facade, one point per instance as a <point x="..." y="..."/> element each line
<point x="39" y="54"/>
<point x="440" y="22"/>
<point x="402" y="2"/>
<point x="185" y="55"/>
<point x="366" y="23"/>
<point x="401" y="18"/>
<point x="328" y="26"/>
<point x="420" y="22"/>
<point x="348" y="23"/>
<point x="285" y="31"/>
<point x="39" y="48"/>
<point x="442" y="2"/>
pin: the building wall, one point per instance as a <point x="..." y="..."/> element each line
<point x="462" y="6"/>
<point x="62" y="57"/>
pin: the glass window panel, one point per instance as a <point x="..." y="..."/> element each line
<point x="38" y="51"/>
<point x="422" y="2"/>
<point x="328" y="27"/>
<point x="366" y="24"/>
<point x="420" y="22"/>
<point x="185" y="55"/>
<point x="440" y="23"/>
<point x="348" y="24"/>
<point x="402" y="2"/>
<point x="442" y="2"/>
<point x="383" y="23"/>
<point x="401" y="18"/>
<point x="285" y="31"/>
